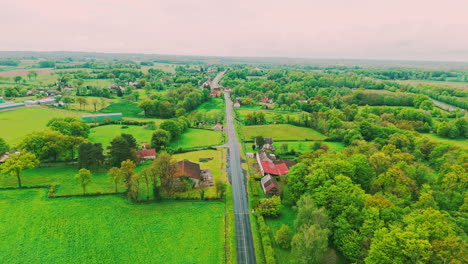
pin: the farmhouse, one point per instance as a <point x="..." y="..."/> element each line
<point x="270" y="185"/>
<point x="146" y="154"/>
<point x="218" y="127"/>
<point x="266" y="100"/>
<point x="269" y="164"/>
<point x="102" y="117"/>
<point x="185" y="168"/>
<point x="237" y="102"/>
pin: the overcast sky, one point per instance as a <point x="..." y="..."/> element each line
<point x="361" y="29"/>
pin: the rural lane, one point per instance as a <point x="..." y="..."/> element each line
<point x="244" y="240"/>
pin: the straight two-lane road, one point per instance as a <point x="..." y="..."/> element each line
<point x="244" y="241"/>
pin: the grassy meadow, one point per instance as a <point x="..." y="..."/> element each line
<point x="280" y="132"/>
<point x="301" y="146"/>
<point x="18" y="123"/>
<point x="194" y="138"/>
<point x="64" y="177"/>
<point x="108" y="229"/>
<point x="105" y="134"/>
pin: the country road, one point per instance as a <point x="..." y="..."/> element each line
<point x="244" y="240"/>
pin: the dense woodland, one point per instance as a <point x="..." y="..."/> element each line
<point x="392" y="195"/>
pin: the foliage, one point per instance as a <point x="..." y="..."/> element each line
<point x="283" y="237"/>
<point x="269" y="206"/>
<point x="90" y="155"/>
<point x="84" y="176"/>
<point x="17" y="163"/>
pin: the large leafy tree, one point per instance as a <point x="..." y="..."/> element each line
<point x="17" y="163"/>
<point x="120" y="150"/>
<point x="90" y="155"/>
<point x="70" y="126"/>
<point x="160" y="139"/>
<point x="172" y="127"/>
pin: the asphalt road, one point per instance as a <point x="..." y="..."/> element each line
<point x="244" y="240"/>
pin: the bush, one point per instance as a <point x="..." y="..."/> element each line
<point x="266" y="241"/>
<point x="283" y="237"/>
<point x="269" y="206"/>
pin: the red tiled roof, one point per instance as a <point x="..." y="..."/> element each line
<point x="275" y="169"/>
<point x="147" y="153"/>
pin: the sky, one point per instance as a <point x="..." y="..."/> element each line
<point x="357" y="29"/>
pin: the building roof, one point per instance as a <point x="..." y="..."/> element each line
<point x="188" y="169"/>
<point x="268" y="183"/>
<point x="147" y="153"/>
<point x="275" y="169"/>
<point x="218" y="126"/>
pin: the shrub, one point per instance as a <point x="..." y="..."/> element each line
<point x="269" y="206"/>
<point x="283" y="237"/>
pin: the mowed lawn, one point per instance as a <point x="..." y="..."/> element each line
<point x="105" y="134"/>
<point x="15" y="124"/>
<point x="281" y="132"/>
<point x="194" y="138"/>
<point x="302" y="146"/>
<point x="36" y="229"/>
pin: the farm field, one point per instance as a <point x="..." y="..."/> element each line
<point x="194" y="138"/>
<point x="217" y="166"/>
<point x="269" y="114"/>
<point x="461" y="85"/>
<point x="302" y="146"/>
<point x="105" y="134"/>
<point x="64" y="177"/>
<point x="16" y="124"/>
<point x="128" y="109"/>
<point x="108" y="230"/>
<point x="101" y="103"/>
<point x="281" y="132"/>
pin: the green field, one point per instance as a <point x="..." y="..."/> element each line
<point x="16" y="124"/>
<point x="128" y="109"/>
<point x="105" y="134"/>
<point x="36" y="229"/>
<point x="64" y="177"/>
<point x="460" y="143"/>
<point x="301" y="146"/>
<point x="281" y="132"/>
<point x="194" y="138"/>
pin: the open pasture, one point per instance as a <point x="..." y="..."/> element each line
<point x="281" y="132"/>
<point x="194" y="138"/>
<point x="15" y="124"/>
<point x="108" y="229"/>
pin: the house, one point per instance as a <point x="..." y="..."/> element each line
<point x="268" y="144"/>
<point x="227" y="89"/>
<point x="185" y="168"/>
<point x="270" y="186"/>
<point x="237" y="102"/>
<point x="51" y="92"/>
<point x="10" y="105"/>
<point x="3" y="158"/>
<point x="268" y="164"/>
<point x="266" y="100"/>
<point x="218" y="127"/>
<point x="146" y="154"/>
<point x="215" y="92"/>
<point x="250" y="155"/>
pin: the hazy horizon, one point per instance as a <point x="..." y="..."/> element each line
<point x="338" y="29"/>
